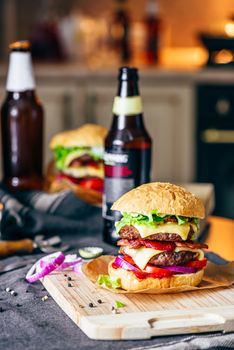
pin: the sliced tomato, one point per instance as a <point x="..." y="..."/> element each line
<point x="115" y="266"/>
<point x="150" y="270"/>
<point x="129" y="260"/>
<point x="157" y="271"/>
<point x="158" y="245"/>
<point x="198" y="264"/>
<point x="136" y="243"/>
<point x="74" y="180"/>
<point x="92" y="183"/>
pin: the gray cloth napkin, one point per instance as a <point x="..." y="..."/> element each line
<point x="194" y="342"/>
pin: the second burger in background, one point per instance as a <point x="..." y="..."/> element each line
<point x="79" y="156"/>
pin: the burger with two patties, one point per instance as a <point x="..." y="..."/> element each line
<point x="157" y="232"/>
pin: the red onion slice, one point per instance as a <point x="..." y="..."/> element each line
<point x="70" y="261"/>
<point x="180" y="269"/>
<point x="120" y="262"/>
<point x="55" y="260"/>
<point x="77" y="268"/>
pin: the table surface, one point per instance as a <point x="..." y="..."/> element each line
<point x="28" y="322"/>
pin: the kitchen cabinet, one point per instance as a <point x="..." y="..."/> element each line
<point x="63" y="108"/>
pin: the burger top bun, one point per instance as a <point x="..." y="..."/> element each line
<point x="88" y="135"/>
<point x="166" y="198"/>
<point x="130" y="282"/>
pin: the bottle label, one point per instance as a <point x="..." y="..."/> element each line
<point x="127" y="105"/>
<point x="20" y="74"/>
<point x="124" y="170"/>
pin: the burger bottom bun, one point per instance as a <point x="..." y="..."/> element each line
<point x="130" y="282"/>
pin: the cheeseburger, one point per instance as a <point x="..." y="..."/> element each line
<point x="157" y="232"/>
<point x="79" y="156"/>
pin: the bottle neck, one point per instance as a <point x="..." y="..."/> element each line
<point x="13" y="95"/>
<point x="128" y="100"/>
<point x="121" y="122"/>
<point x="20" y="75"/>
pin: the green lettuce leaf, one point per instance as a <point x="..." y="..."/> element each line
<point x="61" y="154"/>
<point x="119" y="304"/>
<point x="181" y="219"/>
<point x="109" y="281"/>
<point x="151" y="219"/>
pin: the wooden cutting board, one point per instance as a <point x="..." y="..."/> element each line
<point x="144" y="316"/>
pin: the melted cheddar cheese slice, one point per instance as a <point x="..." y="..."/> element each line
<point x="141" y="256"/>
<point x="181" y="230"/>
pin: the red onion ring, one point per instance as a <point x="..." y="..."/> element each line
<point x="120" y="262"/>
<point x="77" y="268"/>
<point x="70" y="261"/>
<point x="73" y="263"/>
<point x="56" y="259"/>
<point x="180" y="269"/>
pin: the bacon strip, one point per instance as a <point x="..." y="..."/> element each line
<point x="133" y="243"/>
<point x="192" y="245"/>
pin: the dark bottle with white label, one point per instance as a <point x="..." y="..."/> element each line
<point x="128" y="146"/>
<point x="21" y="123"/>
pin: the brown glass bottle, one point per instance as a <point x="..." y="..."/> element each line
<point x="127" y="149"/>
<point x="21" y="124"/>
<point x="121" y="31"/>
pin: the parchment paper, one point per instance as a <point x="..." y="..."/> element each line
<point x="215" y="276"/>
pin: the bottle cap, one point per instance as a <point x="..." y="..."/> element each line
<point x="20" y="45"/>
<point x="128" y="73"/>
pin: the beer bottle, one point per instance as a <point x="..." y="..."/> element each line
<point x="127" y="157"/>
<point x="21" y="123"/>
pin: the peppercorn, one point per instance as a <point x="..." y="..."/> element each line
<point x="91" y="305"/>
<point x="99" y="301"/>
<point x="69" y="278"/>
<point x="69" y="285"/>
<point x="13" y="293"/>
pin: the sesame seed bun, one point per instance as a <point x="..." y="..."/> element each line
<point x="130" y="282"/>
<point x="166" y="198"/>
<point x="88" y="135"/>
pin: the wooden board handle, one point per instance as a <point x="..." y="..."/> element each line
<point x="177" y="322"/>
<point x="12" y="247"/>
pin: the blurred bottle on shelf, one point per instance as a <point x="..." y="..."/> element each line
<point x="152" y="23"/>
<point x="21" y="123"/>
<point x="121" y="30"/>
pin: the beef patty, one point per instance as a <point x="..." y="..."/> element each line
<point x="169" y="258"/>
<point x="84" y="160"/>
<point x="130" y="232"/>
